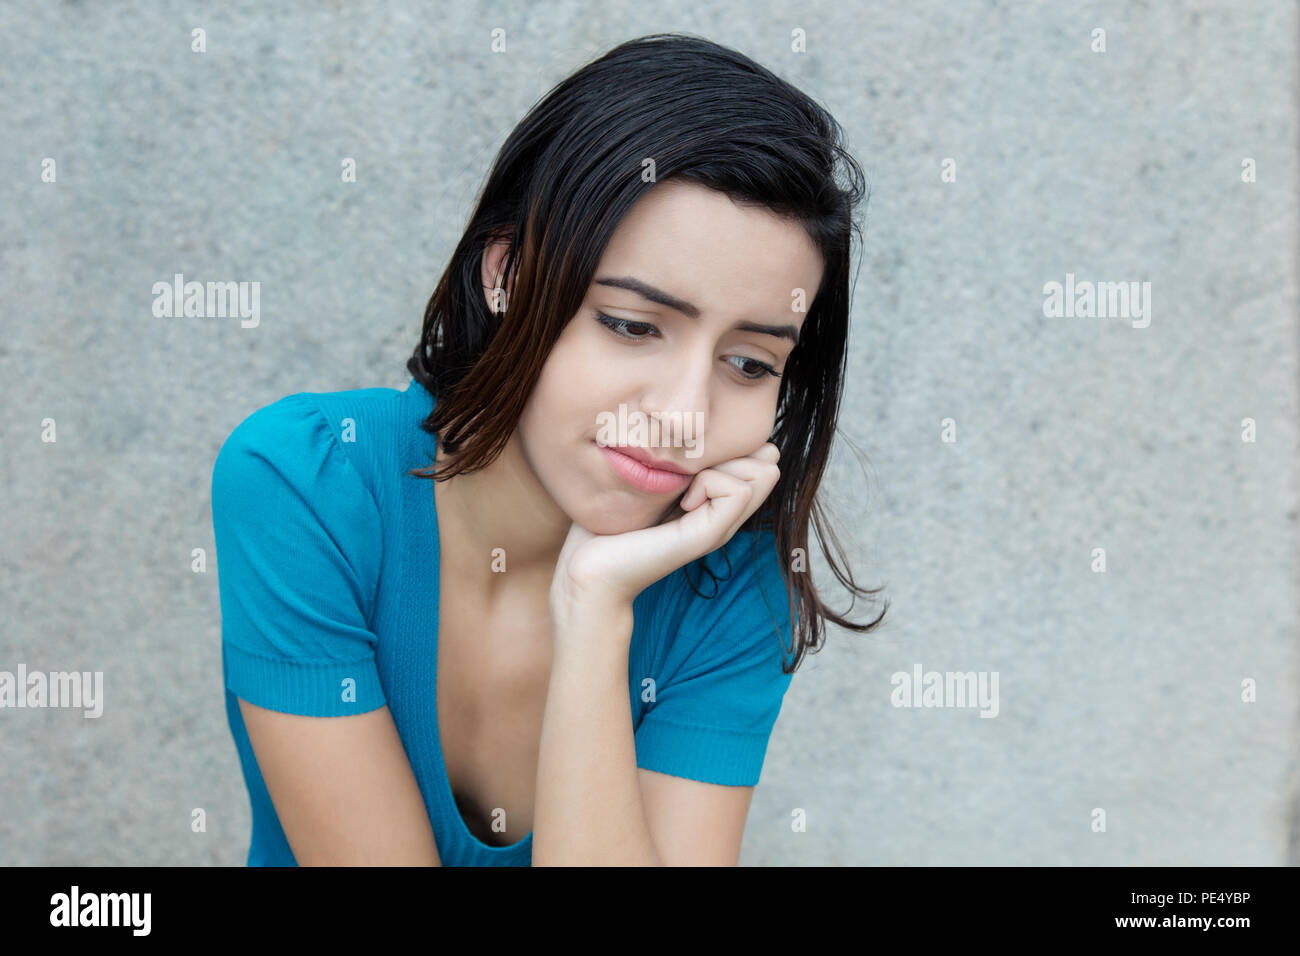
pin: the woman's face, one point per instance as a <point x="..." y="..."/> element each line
<point x="694" y="391"/>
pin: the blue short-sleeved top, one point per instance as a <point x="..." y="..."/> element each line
<point x="327" y="555"/>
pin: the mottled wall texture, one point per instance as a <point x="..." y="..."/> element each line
<point x="1085" y="502"/>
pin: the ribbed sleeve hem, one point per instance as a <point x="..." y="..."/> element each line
<point x="312" y="688"/>
<point x="708" y="754"/>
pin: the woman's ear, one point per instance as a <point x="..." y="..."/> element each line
<point x="493" y="278"/>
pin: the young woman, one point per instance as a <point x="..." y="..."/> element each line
<point x="521" y="661"/>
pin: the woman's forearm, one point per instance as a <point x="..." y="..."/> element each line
<point x="589" y="808"/>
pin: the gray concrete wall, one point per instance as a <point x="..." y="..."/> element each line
<point x="1119" y="691"/>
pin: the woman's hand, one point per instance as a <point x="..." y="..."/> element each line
<point x="609" y="571"/>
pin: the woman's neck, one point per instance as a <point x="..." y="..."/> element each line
<point x="500" y="506"/>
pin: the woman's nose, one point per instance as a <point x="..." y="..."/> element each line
<point x="678" y="399"/>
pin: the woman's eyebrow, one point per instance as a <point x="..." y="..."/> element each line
<point x="659" y="296"/>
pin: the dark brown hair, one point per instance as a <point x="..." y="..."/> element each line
<point x="561" y="184"/>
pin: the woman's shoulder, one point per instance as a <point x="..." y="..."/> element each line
<point x="352" y="414"/>
<point x="717" y="655"/>
<point x="738" y="590"/>
<point x="305" y="436"/>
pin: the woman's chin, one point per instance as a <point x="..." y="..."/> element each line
<point x="622" y="520"/>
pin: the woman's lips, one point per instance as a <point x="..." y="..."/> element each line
<point x="642" y="477"/>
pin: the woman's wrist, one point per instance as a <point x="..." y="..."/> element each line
<point x="591" y="623"/>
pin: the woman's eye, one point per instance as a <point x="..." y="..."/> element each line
<point x="762" y="369"/>
<point x="620" y="328"/>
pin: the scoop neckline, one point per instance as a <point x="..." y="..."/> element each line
<point x="429" y="519"/>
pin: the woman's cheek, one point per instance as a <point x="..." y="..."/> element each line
<point x="751" y="425"/>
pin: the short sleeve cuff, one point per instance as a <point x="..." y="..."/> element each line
<point x="312" y="688"/>
<point x="709" y="754"/>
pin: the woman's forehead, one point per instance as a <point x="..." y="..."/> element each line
<point x="698" y="245"/>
